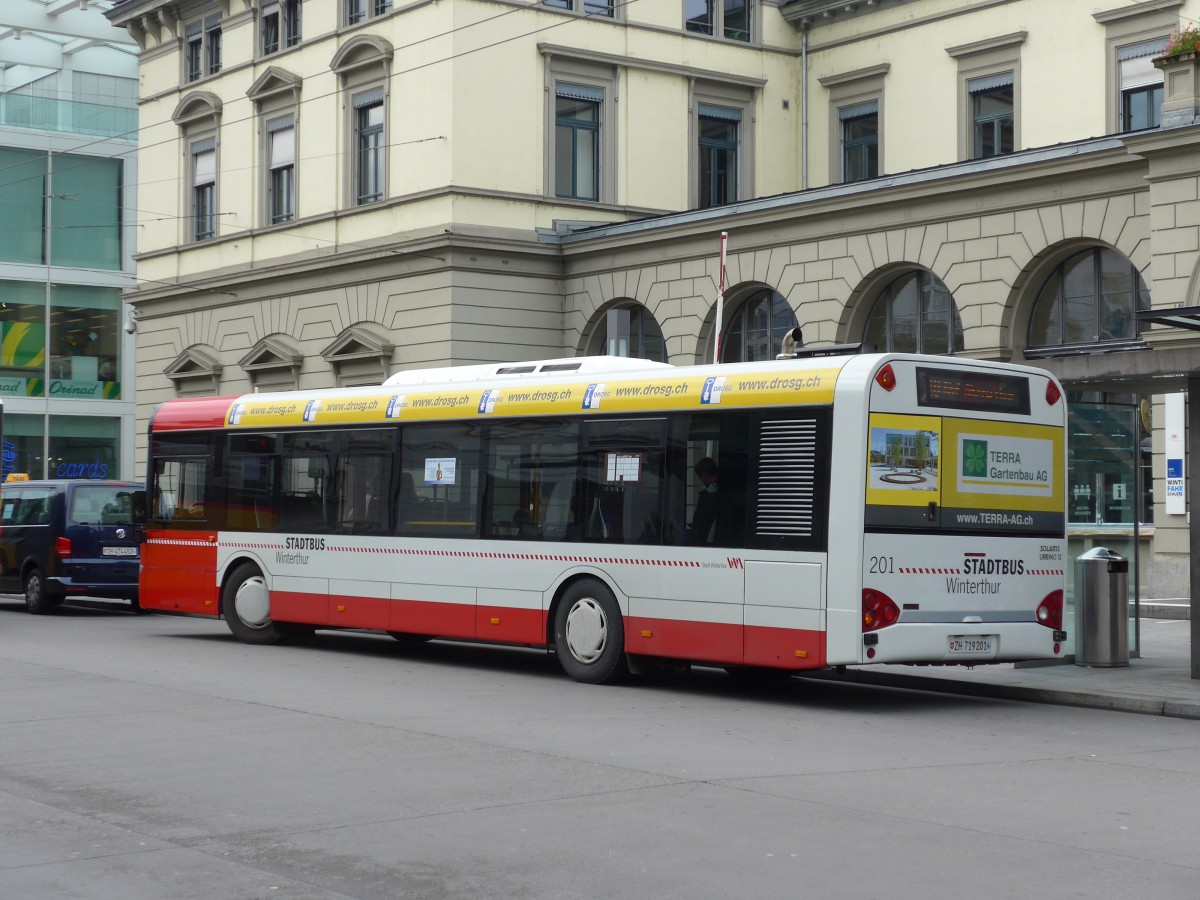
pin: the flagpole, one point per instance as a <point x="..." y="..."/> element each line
<point x="720" y="300"/>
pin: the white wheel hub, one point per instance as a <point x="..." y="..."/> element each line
<point x="587" y="630"/>
<point x="252" y="603"/>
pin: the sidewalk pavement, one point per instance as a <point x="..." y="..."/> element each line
<point x="1156" y="683"/>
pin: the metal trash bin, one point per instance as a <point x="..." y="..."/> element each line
<point x="1101" y="609"/>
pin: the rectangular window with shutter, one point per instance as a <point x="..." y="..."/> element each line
<point x="204" y="189"/>
<point x="281" y="163"/>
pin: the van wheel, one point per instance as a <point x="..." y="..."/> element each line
<point x="37" y="601"/>
<point x="589" y="634"/>
<point x="246" y="605"/>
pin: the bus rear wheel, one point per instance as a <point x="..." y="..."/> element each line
<point x="246" y="605"/>
<point x="589" y="634"/>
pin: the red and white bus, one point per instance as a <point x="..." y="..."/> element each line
<point x="794" y="514"/>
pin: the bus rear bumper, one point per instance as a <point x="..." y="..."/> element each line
<point x="952" y="643"/>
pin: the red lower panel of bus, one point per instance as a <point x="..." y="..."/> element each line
<point x="452" y="620"/>
<point x="677" y="639"/>
<point x="783" y="648"/>
<point x="357" y="612"/>
<point x="179" y="591"/>
<point x="179" y="573"/>
<point x="194" y="591"/>
<point x="311" y="609"/>
<point x="510" y="626"/>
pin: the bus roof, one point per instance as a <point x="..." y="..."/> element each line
<point x="584" y="385"/>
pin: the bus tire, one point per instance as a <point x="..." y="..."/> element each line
<point x="246" y="605"/>
<point x="589" y="634"/>
<point x="37" y="601"/>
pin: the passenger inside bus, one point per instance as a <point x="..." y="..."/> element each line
<point x="406" y="501"/>
<point x="704" y="521"/>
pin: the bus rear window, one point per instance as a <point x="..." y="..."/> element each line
<point x="975" y="391"/>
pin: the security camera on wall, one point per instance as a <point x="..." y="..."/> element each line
<point x="131" y="323"/>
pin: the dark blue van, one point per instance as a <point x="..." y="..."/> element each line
<point x="61" y="539"/>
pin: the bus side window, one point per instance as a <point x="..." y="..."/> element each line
<point x="306" y="482"/>
<point x="620" y="488"/>
<point x="530" y="471"/>
<point x="706" y="482"/>
<point x="445" y="463"/>
<point x="250" y="479"/>
<point x="182" y="477"/>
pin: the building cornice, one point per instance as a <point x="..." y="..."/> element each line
<point x="1159" y="143"/>
<point x="1008" y="179"/>
<point x="632" y="62"/>
<point x="857" y="75"/>
<point x="1132" y="10"/>
<point x="814" y="13"/>
<point x="999" y="42"/>
<point x="867" y="35"/>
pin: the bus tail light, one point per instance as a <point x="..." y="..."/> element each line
<point x="62" y="547"/>
<point x="878" y="610"/>
<point x="886" y="377"/>
<point x="1053" y="394"/>
<point x="1050" y="611"/>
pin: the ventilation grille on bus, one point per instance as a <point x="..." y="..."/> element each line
<point x="786" y="478"/>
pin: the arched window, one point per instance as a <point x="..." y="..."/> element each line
<point x="916" y="313"/>
<point x="628" y="330"/>
<point x="755" y="330"/>
<point x="1092" y="298"/>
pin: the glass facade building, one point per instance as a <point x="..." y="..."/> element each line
<point x="66" y="360"/>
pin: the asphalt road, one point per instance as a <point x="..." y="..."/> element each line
<point x="155" y="757"/>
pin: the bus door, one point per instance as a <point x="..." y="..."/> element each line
<point x="179" y="555"/>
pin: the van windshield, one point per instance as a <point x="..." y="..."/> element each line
<point x="101" y="504"/>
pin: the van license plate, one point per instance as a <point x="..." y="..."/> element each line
<point x="973" y="644"/>
<point x="119" y="551"/>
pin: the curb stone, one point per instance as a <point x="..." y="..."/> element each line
<point x="1149" y="706"/>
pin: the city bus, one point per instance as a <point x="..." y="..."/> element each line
<point x="857" y="508"/>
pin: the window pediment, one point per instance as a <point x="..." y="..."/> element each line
<point x="363" y="341"/>
<point x="196" y="106"/>
<point x="361" y="52"/>
<point x="196" y="369"/>
<point x="272" y="83"/>
<point x="362" y="354"/>
<point x="273" y="352"/>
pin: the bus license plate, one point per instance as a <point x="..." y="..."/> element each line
<point x="973" y="644"/>
<point x="119" y="551"/>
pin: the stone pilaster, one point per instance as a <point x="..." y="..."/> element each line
<point x="1181" y="89"/>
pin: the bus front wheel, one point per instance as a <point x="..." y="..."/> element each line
<point x="589" y="634"/>
<point x="246" y="605"/>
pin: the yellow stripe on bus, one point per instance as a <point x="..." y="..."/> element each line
<point x="812" y="387"/>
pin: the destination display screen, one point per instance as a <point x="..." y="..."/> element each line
<point x="976" y="391"/>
